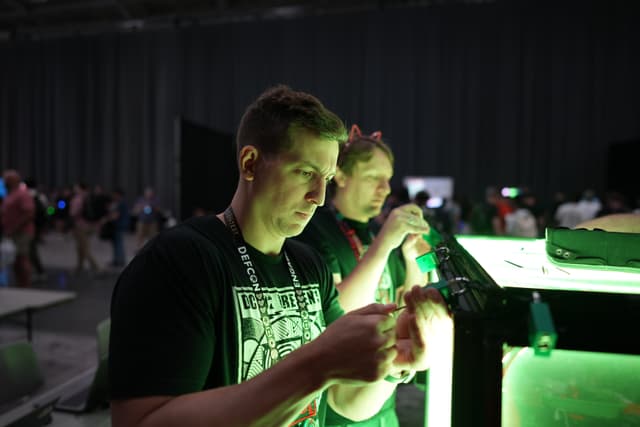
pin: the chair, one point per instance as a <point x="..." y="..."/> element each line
<point x="20" y="373"/>
<point x="89" y="390"/>
<point x="103" y="330"/>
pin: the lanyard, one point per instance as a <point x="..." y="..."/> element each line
<point x="231" y="222"/>
<point x="358" y="251"/>
<point x="354" y="241"/>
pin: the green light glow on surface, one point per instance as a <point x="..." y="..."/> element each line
<point x="438" y="397"/>
<point x="523" y="263"/>
<point x="570" y="388"/>
<point x="51" y="210"/>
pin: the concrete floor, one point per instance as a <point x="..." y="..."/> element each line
<point x="64" y="336"/>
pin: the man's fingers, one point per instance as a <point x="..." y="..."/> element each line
<point x="374" y="308"/>
<point x="389" y="339"/>
<point x="410" y="217"/>
<point x="434" y="295"/>
<point x="387" y="324"/>
<point x="415" y="297"/>
<point x="385" y="321"/>
<point x="415" y="333"/>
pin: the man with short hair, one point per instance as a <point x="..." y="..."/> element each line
<point x="366" y="267"/>
<point x="223" y="321"/>
<point x="18" y="213"/>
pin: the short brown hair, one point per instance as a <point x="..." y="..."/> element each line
<point x="268" y="121"/>
<point x="360" y="149"/>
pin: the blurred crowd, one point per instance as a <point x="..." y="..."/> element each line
<point x="516" y="212"/>
<point x="28" y="212"/>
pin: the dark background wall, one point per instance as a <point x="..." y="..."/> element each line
<point x="505" y="94"/>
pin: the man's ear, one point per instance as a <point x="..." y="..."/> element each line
<point x="340" y="178"/>
<point x="248" y="160"/>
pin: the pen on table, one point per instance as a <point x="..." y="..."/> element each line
<point x="513" y="263"/>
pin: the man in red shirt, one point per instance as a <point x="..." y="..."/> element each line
<point x="18" y="211"/>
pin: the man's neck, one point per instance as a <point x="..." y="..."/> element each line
<point x="252" y="227"/>
<point x="342" y="205"/>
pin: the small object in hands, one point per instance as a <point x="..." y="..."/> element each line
<point x="402" y="307"/>
<point x="404" y="378"/>
<point x="427" y="262"/>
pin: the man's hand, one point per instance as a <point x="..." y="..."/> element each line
<point x="403" y="220"/>
<point x="419" y="326"/>
<point x="359" y="347"/>
<point x="414" y="246"/>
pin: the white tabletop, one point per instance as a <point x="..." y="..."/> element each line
<point x="100" y="418"/>
<point x="15" y="300"/>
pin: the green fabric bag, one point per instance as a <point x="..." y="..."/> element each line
<point x="593" y="247"/>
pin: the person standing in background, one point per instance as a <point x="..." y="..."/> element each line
<point x="40" y="223"/>
<point x="83" y="228"/>
<point x="147" y="212"/>
<point x="18" y="210"/>
<point x="119" y="214"/>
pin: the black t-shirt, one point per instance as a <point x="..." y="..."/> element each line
<point x="184" y="316"/>
<point x="324" y="234"/>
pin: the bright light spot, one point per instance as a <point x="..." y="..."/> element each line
<point x="523" y="263"/>
<point x="434" y="202"/>
<point x="61" y="204"/>
<point x="440" y="374"/>
<point x="510" y="192"/>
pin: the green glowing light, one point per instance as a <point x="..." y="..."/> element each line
<point x="564" y="387"/>
<point x="595" y="388"/>
<point x="438" y="396"/>
<point x="51" y="210"/>
<point x="523" y="263"/>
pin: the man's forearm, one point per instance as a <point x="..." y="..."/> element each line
<point x="413" y="275"/>
<point x="273" y="398"/>
<point x="359" y="287"/>
<point x="359" y="402"/>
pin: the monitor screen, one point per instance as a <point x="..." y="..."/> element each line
<point x="437" y="186"/>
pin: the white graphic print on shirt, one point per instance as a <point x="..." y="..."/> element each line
<point x="283" y="310"/>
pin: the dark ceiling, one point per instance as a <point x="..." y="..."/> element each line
<point x="27" y="19"/>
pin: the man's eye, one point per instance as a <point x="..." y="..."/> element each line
<point x="306" y="174"/>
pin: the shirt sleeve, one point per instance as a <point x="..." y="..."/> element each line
<point x="162" y="335"/>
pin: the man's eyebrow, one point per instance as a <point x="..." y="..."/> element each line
<point x="317" y="168"/>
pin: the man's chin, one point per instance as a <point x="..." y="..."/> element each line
<point x="296" y="228"/>
<point x="374" y="211"/>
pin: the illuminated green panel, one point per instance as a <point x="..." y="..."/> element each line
<point x="570" y="388"/>
<point x="523" y="263"/>
<point x="438" y="397"/>
<point x="567" y="388"/>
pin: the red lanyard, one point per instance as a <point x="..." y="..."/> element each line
<point x="354" y="241"/>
